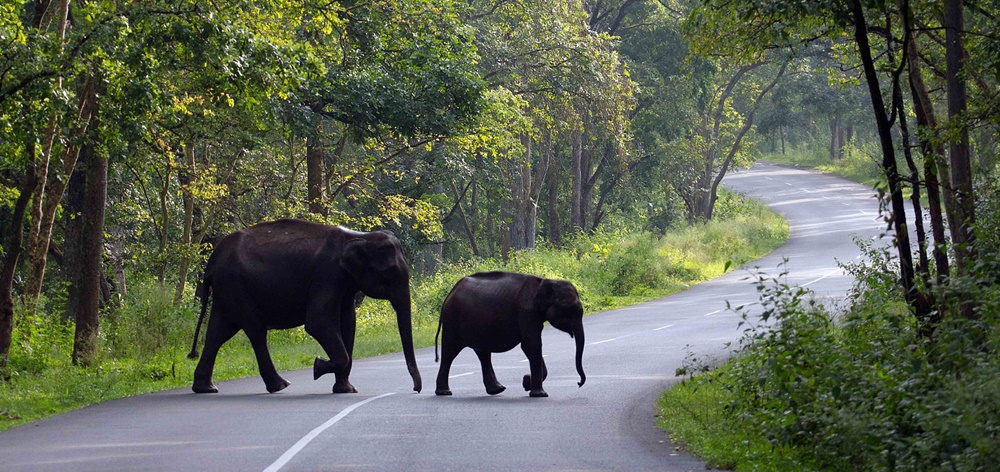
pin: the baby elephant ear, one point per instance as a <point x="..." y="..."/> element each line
<point x="354" y="256"/>
<point x="545" y="295"/>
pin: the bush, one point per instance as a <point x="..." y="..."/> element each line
<point x="862" y="390"/>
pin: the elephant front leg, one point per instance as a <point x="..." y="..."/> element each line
<point x="533" y="382"/>
<point x="348" y="329"/>
<point x="493" y="386"/>
<point x="327" y="331"/>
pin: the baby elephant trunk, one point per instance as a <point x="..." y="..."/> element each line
<point x="578" y="335"/>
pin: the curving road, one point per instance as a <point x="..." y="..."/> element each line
<point x="608" y="424"/>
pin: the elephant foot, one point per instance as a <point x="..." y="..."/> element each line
<point x="344" y="387"/>
<point x="526" y="382"/>
<point x="495" y="389"/>
<point x="278" y="386"/>
<point x="538" y="393"/>
<point x="204" y="388"/>
<point x="444" y="392"/>
<point x="322" y="367"/>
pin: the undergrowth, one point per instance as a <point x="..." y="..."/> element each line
<point x="854" y="390"/>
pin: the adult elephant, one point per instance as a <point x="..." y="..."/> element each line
<point x="287" y="273"/>
<point x="495" y="311"/>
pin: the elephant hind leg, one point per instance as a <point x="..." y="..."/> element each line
<point x="219" y="331"/>
<point x="272" y="380"/>
<point x="448" y="354"/>
<point x="493" y="386"/>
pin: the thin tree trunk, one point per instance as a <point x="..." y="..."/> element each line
<point x="187" y="177"/>
<point x="13" y="239"/>
<point x="898" y="217"/>
<point x="39" y="246"/>
<point x="463" y="219"/>
<point x="576" y="182"/>
<point x="555" y="232"/>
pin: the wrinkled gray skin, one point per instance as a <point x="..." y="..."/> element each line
<point x="287" y="273"/>
<point x="495" y="311"/>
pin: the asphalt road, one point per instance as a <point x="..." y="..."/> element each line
<point x="608" y="424"/>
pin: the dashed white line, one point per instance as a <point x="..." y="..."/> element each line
<point x="606" y="341"/>
<point x="712" y="313"/>
<point x="821" y="278"/>
<point x="460" y="375"/>
<point x="662" y="327"/>
<point x="301" y="444"/>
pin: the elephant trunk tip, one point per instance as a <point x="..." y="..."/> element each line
<point x="582" y="381"/>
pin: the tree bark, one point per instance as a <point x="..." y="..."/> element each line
<point x="85" y="343"/>
<point x="576" y="182"/>
<point x="39" y="244"/>
<point x="315" y="163"/>
<point x="13" y="239"/>
<point x="884" y="127"/>
<point x="464" y="220"/>
<point x="187" y="177"/>
<point x="958" y="149"/>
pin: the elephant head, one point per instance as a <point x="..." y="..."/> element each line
<point x="375" y="261"/>
<point x="559" y="303"/>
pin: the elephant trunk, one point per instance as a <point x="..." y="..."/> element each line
<point x="401" y="305"/>
<point x="578" y="335"/>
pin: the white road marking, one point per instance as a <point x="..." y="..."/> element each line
<point x="821" y="278"/>
<point x="606" y="341"/>
<point x="291" y="452"/>
<point x="662" y="327"/>
<point x="712" y="313"/>
<point x="460" y="375"/>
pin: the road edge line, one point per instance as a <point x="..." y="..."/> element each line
<point x="301" y="444"/>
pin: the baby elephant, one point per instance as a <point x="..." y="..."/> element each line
<point x="496" y="311"/>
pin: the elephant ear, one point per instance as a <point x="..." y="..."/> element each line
<point x="355" y="256"/>
<point x="544" y="296"/>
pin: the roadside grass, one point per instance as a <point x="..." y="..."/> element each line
<point x="145" y="344"/>
<point x="695" y="414"/>
<point x="859" y="163"/>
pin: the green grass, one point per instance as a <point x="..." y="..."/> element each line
<point x="146" y="343"/>
<point x="859" y="164"/>
<point x="694" y="413"/>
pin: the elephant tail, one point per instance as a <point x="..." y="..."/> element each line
<point x="203" y="290"/>
<point x="436" y="359"/>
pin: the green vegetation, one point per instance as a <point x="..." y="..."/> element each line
<point x="864" y="389"/>
<point x="146" y="342"/>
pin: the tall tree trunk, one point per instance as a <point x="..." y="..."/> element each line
<point x="576" y="182"/>
<point x="85" y="342"/>
<point x="933" y="151"/>
<point x="186" y="177"/>
<point x="13" y="247"/>
<point x="555" y="231"/>
<point x="958" y="150"/>
<point x="39" y="244"/>
<point x="463" y="218"/>
<point x="835" y="135"/>
<point x="898" y="217"/>
<point x="73" y="251"/>
<point x="315" y="163"/>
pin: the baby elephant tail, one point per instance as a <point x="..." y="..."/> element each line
<point x="436" y="359"/>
